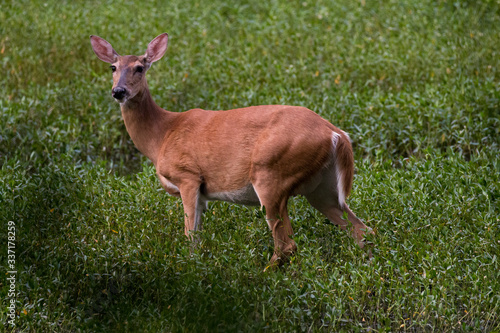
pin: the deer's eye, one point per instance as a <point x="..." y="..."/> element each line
<point x="113" y="68"/>
<point x="139" y="69"/>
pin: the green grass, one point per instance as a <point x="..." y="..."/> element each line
<point x="100" y="246"/>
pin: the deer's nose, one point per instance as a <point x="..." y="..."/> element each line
<point x="118" y="92"/>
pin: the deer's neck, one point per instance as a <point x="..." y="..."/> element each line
<point x="146" y="123"/>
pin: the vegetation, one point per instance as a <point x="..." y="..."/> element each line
<point x="99" y="244"/>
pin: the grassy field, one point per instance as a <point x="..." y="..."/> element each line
<point x="99" y="246"/>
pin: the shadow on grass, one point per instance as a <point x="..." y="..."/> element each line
<point x="68" y="279"/>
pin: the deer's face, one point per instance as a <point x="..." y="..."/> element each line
<point x="129" y="71"/>
<point x="128" y="77"/>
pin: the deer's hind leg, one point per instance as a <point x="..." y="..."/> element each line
<point x="326" y="199"/>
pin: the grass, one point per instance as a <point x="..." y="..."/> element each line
<point x="100" y="246"/>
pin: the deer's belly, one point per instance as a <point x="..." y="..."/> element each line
<point x="245" y="196"/>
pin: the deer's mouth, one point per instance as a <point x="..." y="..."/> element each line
<point x="121" y="100"/>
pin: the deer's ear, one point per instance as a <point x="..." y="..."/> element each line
<point x="103" y="49"/>
<point x="156" y="48"/>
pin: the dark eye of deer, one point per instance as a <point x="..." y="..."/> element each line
<point x="139" y="69"/>
<point x="113" y="68"/>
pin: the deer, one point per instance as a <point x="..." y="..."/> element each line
<point x="256" y="156"/>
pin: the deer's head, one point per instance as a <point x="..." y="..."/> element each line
<point x="129" y="71"/>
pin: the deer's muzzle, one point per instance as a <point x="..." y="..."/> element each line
<point x="119" y="93"/>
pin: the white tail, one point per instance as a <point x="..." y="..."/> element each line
<point x="259" y="155"/>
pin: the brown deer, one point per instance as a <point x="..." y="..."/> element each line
<point x="258" y="155"/>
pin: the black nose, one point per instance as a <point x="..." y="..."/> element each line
<point x="118" y="92"/>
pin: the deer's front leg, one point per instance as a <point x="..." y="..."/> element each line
<point x="194" y="206"/>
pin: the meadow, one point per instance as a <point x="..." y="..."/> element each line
<point x="99" y="245"/>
